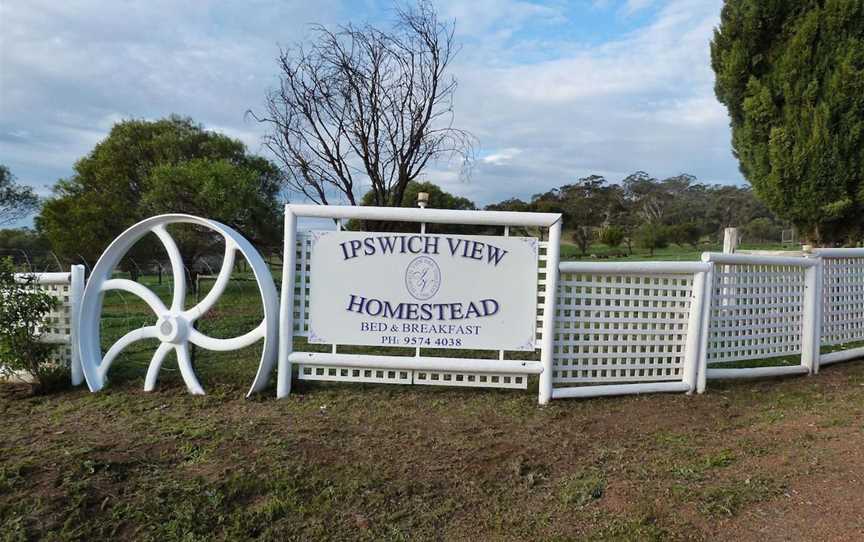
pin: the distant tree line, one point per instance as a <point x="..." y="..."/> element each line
<point x="176" y="166"/>
<point x="643" y="211"/>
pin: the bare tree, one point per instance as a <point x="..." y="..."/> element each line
<point x="365" y="105"/>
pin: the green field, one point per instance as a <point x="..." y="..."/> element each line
<point x="672" y="252"/>
<point x="761" y="460"/>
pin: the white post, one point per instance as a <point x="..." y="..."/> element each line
<point x="730" y="240"/>
<point x="286" y="305"/>
<point x="708" y="293"/>
<point x="817" y="328"/>
<point x="76" y="290"/>
<point x="811" y="330"/>
<point x="694" y="332"/>
<point x="549" y="301"/>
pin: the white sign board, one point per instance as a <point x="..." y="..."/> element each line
<point x="419" y="290"/>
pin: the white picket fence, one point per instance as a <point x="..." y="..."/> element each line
<point x="614" y="328"/>
<point x="665" y="327"/>
<point x="61" y="326"/>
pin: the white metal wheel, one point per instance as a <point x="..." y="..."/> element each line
<point x="173" y="325"/>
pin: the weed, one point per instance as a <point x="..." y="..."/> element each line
<point x="728" y="499"/>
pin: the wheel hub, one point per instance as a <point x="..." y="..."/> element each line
<point x="172" y="329"/>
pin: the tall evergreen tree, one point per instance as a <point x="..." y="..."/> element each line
<point x="791" y="74"/>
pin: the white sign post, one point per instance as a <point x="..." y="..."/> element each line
<point x="428" y="291"/>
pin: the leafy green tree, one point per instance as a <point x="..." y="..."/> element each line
<point x="685" y="234"/>
<point x="762" y="229"/>
<point x="145" y="168"/>
<point x="689" y="209"/>
<point x="611" y="236"/>
<point x="512" y="204"/>
<point x="651" y="236"/>
<point x="586" y="205"/>
<point x="16" y="201"/>
<point x="29" y="249"/>
<point x="732" y="207"/>
<point x="243" y="197"/>
<point x="791" y="74"/>
<point x="438" y="199"/>
<point x="23" y="311"/>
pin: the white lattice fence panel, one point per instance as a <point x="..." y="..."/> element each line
<point x="57" y="327"/>
<point x="613" y="328"/>
<point x="542" y="274"/>
<point x="474" y="380"/>
<point x="842" y="300"/>
<point x="302" y="279"/>
<point x="756" y="312"/>
<point x="352" y="374"/>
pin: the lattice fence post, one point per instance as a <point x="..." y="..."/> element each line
<point x="705" y="321"/>
<point x="694" y="331"/>
<point x="76" y="290"/>
<point x="730" y="240"/>
<point x="286" y="305"/>
<point x="549" y="300"/>
<point x="812" y="320"/>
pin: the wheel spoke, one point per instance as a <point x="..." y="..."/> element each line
<point x="178" y="270"/>
<point x="148" y="332"/>
<point x="155" y="365"/>
<point x="218" y="287"/>
<point x="140" y="290"/>
<point x="223" y="345"/>
<point x="185" y="364"/>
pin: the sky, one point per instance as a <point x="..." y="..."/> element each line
<point x="554" y="90"/>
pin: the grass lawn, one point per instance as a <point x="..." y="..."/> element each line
<point x="766" y="460"/>
<point x="672" y="252"/>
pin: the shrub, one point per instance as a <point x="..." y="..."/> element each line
<point x="23" y="308"/>
<point x="685" y="234"/>
<point x="612" y="236"/>
<point x="582" y="236"/>
<point x="652" y="236"/>
<point x="762" y="229"/>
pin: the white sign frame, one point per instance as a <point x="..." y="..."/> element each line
<point x="545" y="311"/>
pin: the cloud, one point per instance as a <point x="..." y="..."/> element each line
<point x="553" y="89"/>
<point x="502" y="157"/>
<point x="643" y="101"/>
<point x="633" y="6"/>
<point x="72" y="69"/>
<point x="494" y="16"/>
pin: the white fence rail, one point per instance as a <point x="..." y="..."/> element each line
<point x="61" y="325"/>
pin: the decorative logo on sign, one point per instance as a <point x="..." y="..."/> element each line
<point x="422" y="278"/>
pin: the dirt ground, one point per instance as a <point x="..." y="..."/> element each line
<point x="767" y="460"/>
